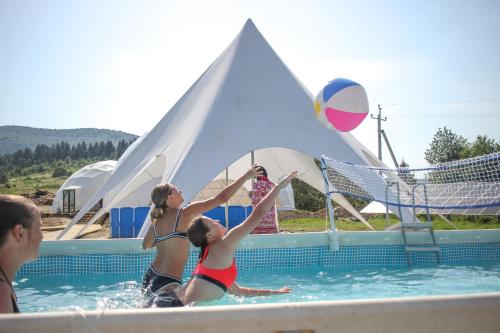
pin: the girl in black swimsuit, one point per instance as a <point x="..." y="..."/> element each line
<point x="20" y="237"/>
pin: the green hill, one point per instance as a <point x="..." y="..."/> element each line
<point x="13" y="138"/>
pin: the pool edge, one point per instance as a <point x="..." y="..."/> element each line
<point x="453" y="313"/>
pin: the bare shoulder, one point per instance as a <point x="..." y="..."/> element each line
<point x="166" y="222"/>
<point x="226" y="245"/>
<point x="186" y="216"/>
<point x="5" y="297"/>
<point x="4" y="287"/>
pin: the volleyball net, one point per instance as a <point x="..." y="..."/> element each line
<point x="469" y="186"/>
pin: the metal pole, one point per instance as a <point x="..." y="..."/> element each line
<point x="379" y="130"/>
<point x="379" y="133"/>
<point x="334" y="241"/>
<point x="226" y="209"/>
<point x="390" y="149"/>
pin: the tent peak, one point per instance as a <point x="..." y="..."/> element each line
<point x="250" y="27"/>
<point x="249" y="22"/>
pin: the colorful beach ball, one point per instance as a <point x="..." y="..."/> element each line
<point x="342" y="104"/>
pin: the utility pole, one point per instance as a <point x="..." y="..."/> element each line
<point x="379" y="131"/>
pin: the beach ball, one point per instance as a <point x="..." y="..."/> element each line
<point x="342" y="104"/>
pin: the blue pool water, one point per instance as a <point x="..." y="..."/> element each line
<point x="120" y="291"/>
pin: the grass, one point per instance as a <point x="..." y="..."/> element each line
<point x="31" y="183"/>
<point x="45" y="181"/>
<point x="378" y="223"/>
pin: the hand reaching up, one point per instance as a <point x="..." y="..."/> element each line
<point x="253" y="172"/>
<point x="285" y="181"/>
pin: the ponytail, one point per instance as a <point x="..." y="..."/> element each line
<point x="159" y="198"/>
<point x="157" y="213"/>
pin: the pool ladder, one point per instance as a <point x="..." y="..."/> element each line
<point x="415" y="225"/>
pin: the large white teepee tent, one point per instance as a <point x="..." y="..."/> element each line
<point x="246" y="100"/>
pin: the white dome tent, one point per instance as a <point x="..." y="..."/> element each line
<point x="83" y="184"/>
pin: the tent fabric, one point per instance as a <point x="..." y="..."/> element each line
<point x="246" y="100"/>
<point x="374" y="207"/>
<point x="86" y="181"/>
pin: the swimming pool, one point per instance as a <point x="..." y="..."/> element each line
<point x="122" y="291"/>
<point x="102" y="274"/>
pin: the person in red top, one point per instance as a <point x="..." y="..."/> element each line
<point x="216" y="271"/>
<point x="260" y="188"/>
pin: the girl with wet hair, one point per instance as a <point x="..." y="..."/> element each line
<point x="20" y="237"/>
<point x="169" y="222"/>
<point x="216" y="271"/>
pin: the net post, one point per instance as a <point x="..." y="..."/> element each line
<point x="332" y="234"/>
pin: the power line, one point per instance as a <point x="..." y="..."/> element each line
<point x="448" y="102"/>
<point x="451" y="116"/>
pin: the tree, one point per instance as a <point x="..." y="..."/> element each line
<point x="85" y="152"/>
<point x="122" y="146"/>
<point x="3" y="177"/>
<point x="307" y="197"/>
<point x="482" y="146"/>
<point x="60" y="171"/>
<point x="109" y="149"/>
<point x="405" y="173"/>
<point x="101" y="150"/>
<point x="446" y="146"/>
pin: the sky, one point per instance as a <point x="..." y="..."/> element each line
<point x="123" y="64"/>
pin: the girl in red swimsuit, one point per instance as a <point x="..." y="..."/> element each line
<point x="216" y="271"/>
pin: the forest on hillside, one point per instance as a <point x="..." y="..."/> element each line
<point x="14" y="138"/>
<point x="59" y="159"/>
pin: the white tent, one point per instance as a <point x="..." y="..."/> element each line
<point x="85" y="182"/>
<point x="246" y="100"/>
<point x="374" y="207"/>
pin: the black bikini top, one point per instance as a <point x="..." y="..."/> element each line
<point x="172" y="234"/>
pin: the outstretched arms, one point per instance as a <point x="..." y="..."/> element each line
<point x="238" y="290"/>
<point x="238" y="233"/>
<point x="198" y="207"/>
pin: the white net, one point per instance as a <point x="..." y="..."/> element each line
<point x="469" y="186"/>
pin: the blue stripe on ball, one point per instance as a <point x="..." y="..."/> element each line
<point x="335" y="86"/>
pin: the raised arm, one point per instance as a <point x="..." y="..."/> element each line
<point x="238" y="290"/>
<point x="235" y="235"/>
<point x="199" y="207"/>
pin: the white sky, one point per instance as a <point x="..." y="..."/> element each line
<point x="123" y="64"/>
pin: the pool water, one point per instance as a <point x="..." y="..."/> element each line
<point x="121" y="291"/>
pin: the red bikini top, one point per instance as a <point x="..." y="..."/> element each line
<point x="221" y="277"/>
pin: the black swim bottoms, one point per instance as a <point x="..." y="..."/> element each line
<point x="153" y="281"/>
<point x="166" y="299"/>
